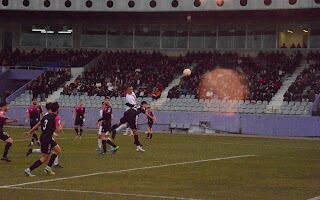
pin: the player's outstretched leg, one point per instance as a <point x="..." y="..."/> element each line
<point x="114" y="130"/>
<point x="35" y="165"/>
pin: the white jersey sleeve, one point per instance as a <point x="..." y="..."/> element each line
<point x="100" y="113"/>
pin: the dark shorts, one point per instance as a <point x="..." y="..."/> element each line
<point x="150" y="125"/>
<point x="4" y="136"/>
<point x="33" y="122"/>
<point x="106" y="127"/>
<point x="47" y="144"/>
<point x="132" y="122"/>
<point x="78" y="122"/>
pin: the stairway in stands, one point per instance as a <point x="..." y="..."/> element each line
<point x="75" y="72"/>
<point x="277" y="99"/>
<point x="164" y="93"/>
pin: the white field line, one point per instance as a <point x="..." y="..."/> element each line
<point x="256" y="144"/>
<point x="315" y="198"/>
<point x="125" y="170"/>
<point x="103" y="193"/>
<point x="58" y="138"/>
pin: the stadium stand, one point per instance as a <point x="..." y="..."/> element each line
<point x="307" y="85"/>
<point x="47" y="57"/>
<point x="148" y="73"/>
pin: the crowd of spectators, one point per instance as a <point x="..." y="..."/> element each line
<point x="47" y="58"/>
<point x="149" y="73"/>
<point x="261" y="76"/>
<point x="307" y="84"/>
<point x="48" y="82"/>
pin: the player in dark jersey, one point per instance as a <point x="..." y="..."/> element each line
<point x="130" y="117"/>
<point x="78" y="117"/>
<point x="34" y="114"/>
<point x="151" y="120"/>
<point x="105" y="123"/>
<point x="3" y="135"/>
<point x="49" y="124"/>
<point x="30" y="151"/>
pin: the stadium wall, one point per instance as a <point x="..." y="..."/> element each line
<point x="263" y="125"/>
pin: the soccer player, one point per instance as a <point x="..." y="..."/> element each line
<point x="34" y="114"/>
<point x="56" y="163"/>
<point x="3" y="135"/>
<point x="151" y="120"/>
<point x="130" y="117"/>
<point x="105" y="122"/>
<point x="49" y="124"/>
<point x="78" y="117"/>
<point x="100" y="129"/>
<point x="131" y="101"/>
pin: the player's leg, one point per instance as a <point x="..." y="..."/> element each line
<point x="108" y="140"/>
<point x="80" y="130"/>
<point x="76" y="129"/>
<point x="114" y="128"/>
<point x="44" y="158"/>
<point x="121" y="127"/>
<point x="104" y="143"/>
<point x="80" y="127"/>
<point x="8" y="145"/>
<point x="56" y="151"/>
<point x="31" y="151"/>
<point x="150" y="131"/>
<point x="99" y="139"/>
<point x="133" y="125"/>
<point x="56" y="163"/>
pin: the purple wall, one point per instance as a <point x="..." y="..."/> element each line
<point x="268" y="125"/>
<point x="21" y="74"/>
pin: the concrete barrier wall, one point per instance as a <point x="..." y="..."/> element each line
<point x="264" y="125"/>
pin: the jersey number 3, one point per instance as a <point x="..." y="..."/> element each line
<point x="45" y="125"/>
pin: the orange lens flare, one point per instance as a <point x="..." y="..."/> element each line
<point x="223" y="83"/>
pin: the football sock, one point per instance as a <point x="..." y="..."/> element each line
<point x="77" y="131"/>
<point x="6" y="149"/>
<point x="52" y="158"/>
<point x="81" y="131"/>
<point x="99" y="143"/>
<point x="104" y="146"/>
<point x="108" y="141"/>
<point x="35" y="165"/>
<point x="136" y="140"/>
<point x="56" y="161"/>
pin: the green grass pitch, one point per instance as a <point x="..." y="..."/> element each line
<point x="281" y="169"/>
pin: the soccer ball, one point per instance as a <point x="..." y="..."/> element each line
<point x="186" y="72"/>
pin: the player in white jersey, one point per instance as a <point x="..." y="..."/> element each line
<point x="100" y="129"/>
<point x="131" y="101"/>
